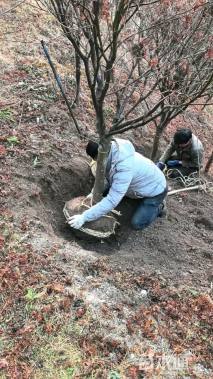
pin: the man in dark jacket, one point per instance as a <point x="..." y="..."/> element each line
<point x="185" y="152"/>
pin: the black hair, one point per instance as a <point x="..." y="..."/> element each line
<point x="92" y="149"/>
<point x="182" y="135"/>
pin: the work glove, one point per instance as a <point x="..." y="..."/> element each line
<point x="174" y="163"/>
<point x="161" y="165"/>
<point x="76" y="221"/>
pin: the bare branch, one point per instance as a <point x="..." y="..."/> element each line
<point x="12" y="8"/>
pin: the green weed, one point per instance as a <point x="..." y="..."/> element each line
<point x="6" y="115"/>
<point x="70" y="371"/>
<point x="32" y="295"/>
<point x="13" y="140"/>
<point x="114" y="375"/>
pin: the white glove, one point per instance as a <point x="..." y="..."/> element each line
<point x="76" y="221"/>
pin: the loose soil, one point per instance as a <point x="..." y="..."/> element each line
<point x="178" y="246"/>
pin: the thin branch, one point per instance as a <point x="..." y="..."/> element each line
<point x="12" y="8"/>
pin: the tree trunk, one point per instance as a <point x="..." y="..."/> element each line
<point x="158" y="133"/>
<point x="209" y="162"/>
<point x="103" y="152"/>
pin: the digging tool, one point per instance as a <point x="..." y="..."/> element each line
<point x="58" y="81"/>
<point x="200" y="186"/>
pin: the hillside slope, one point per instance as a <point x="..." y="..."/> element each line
<point x="135" y="306"/>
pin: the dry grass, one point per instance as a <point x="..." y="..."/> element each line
<point x="57" y="357"/>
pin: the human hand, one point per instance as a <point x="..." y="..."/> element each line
<point x="76" y="221"/>
<point x="174" y="163"/>
<point x="161" y="165"/>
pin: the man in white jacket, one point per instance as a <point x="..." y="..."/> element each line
<point x="130" y="174"/>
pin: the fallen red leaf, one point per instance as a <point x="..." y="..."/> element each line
<point x="199" y="3"/>
<point x="48" y="328"/>
<point x="3" y="363"/>
<point x="37" y="316"/>
<point x="26" y="329"/>
<point x="153" y="62"/>
<point x="65" y="304"/>
<point x="80" y="312"/>
<point x="3" y="151"/>
<point x="1" y="242"/>
<point x="57" y="287"/>
<point x="209" y="54"/>
<point x="49" y="308"/>
<point x="133" y="372"/>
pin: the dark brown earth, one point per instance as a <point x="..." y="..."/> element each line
<point x="178" y="246"/>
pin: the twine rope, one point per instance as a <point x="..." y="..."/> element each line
<point x="191" y="180"/>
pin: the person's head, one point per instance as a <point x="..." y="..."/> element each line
<point x="183" y="137"/>
<point x="92" y="149"/>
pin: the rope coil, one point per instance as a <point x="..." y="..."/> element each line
<point x="192" y="180"/>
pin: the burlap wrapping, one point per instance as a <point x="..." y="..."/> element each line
<point x="93" y="167"/>
<point x="104" y="227"/>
